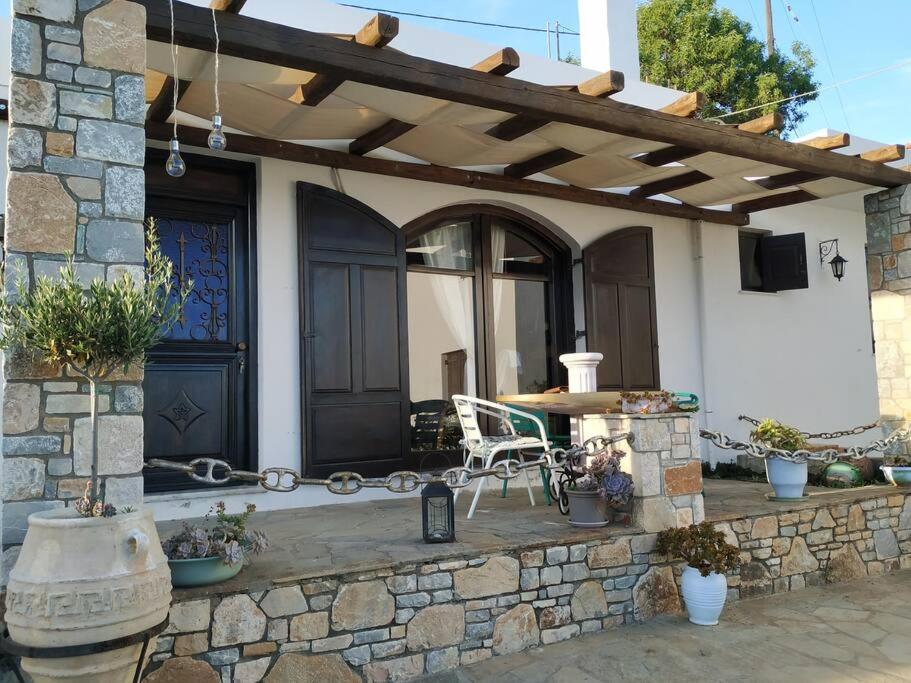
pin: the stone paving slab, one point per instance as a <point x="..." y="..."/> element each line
<point x="359" y="537"/>
<point x="859" y="631"/>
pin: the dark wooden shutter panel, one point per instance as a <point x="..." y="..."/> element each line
<point x="620" y="309"/>
<point x="784" y="262"/>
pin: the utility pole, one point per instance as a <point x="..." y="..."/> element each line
<point x="558" y="40"/>
<point x="548" y="38"/>
<point x="769" y="29"/>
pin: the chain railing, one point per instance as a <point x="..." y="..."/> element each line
<point x="285" y="480"/>
<point x="828" y="436"/>
<point x="828" y="455"/>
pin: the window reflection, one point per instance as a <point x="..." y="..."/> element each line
<point x="448" y="246"/>
<point x="521" y="336"/>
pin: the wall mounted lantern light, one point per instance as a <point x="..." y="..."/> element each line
<point x="838" y="261"/>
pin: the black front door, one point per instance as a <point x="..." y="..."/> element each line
<point x="354" y="360"/>
<point x="198" y="384"/>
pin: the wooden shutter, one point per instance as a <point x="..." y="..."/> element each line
<point x="620" y="309"/>
<point x="784" y="262"/>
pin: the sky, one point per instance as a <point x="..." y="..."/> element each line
<point x="850" y="39"/>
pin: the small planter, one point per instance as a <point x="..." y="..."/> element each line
<point x="788" y="479"/>
<point x="897" y="476"/>
<point x="648" y="406"/>
<point x="587" y="509"/>
<point x="704" y="595"/>
<point x="202" y="571"/>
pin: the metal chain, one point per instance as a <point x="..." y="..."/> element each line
<point x="285" y="480"/>
<point x="821" y="435"/>
<point x="827" y="456"/>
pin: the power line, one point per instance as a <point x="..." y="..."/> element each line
<point x="460" y="21"/>
<point x="825" y="51"/>
<point x="869" y="74"/>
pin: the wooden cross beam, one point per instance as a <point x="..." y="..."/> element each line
<point x="763" y="124"/>
<point x="885" y="154"/>
<point x="836" y="141"/>
<point x="603" y="85"/>
<point x="686" y="106"/>
<point x="665" y="185"/>
<point x="542" y="162"/>
<point x="377" y="32"/>
<point x="776" y="182"/>
<point x="500" y="63"/>
<point x="774" y="201"/>
<point x="304" y="154"/>
<point x="667" y="155"/>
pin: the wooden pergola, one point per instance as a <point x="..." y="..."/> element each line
<point x="478" y="127"/>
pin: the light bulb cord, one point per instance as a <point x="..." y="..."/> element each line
<point x="217" y="60"/>
<point x="174" y="61"/>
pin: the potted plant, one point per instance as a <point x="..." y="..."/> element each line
<point x="603" y="487"/>
<point x="788" y="478"/>
<point x="645" y="402"/>
<point x="708" y="558"/>
<point x="200" y="556"/>
<point x="114" y="558"/>
<point x="897" y="469"/>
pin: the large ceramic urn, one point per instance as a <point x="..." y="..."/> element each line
<point x="82" y="581"/>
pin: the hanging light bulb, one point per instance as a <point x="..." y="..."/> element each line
<point x="175" y="165"/>
<point x="217" y="139"/>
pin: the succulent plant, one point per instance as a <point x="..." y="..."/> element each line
<point x="229" y="538"/>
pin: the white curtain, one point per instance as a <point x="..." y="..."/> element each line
<point x="454" y="299"/>
<point x="508" y="360"/>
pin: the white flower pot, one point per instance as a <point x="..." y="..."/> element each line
<point x="788" y="479"/>
<point x="87" y="580"/>
<point x="704" y="595"/>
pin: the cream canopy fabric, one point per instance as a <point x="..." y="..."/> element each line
<point x="265" y="100"/>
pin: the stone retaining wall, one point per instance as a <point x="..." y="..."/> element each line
<point x="396" y="624"/>
<point x="400" y="622"/>
<point x="828" y="544"/>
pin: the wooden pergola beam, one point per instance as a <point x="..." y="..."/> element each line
<point x="665" y="185"/>
<point x="258" y="40"/>
<point x="500" y="63"/>
<point x="774" y="201"/>
<point x="836" y="141"/>
<point x="667" y="155"/>
<point x="542" y="162"/>
<point x="277" y="149"/>
<point x="686" y="106"/>
<point x="884" y="154"/>
<point x="376" y="33"/>
<point x="763" y="124"/>
<point x="776" y="182"/>
<point x="603" y="85"/>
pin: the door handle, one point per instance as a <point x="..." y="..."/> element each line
<point x="241" y="346"/>
<point x="242" y="361"/>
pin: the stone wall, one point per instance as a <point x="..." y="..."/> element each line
<point x="398" y="623"/>
<point x="889" y="278"/>
<point x="76" y="186"/>
<point x="828" y="544"/>
<point x="664" y="462"/>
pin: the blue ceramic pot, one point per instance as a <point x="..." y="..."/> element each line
<point x="897" y="476"/>
<point x="201" y="571"/>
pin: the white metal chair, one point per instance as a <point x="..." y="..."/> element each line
<point x="479" y="446"/>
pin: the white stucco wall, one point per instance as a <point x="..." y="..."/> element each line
<point x="803" y="356"/>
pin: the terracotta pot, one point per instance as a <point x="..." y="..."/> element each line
<point x="87" y="580"/>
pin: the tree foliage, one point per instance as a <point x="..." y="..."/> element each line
<point x="693" y="45"/>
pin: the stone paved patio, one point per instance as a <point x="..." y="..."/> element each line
<point x="354" y="537"/>
<point x="853" y="632"/>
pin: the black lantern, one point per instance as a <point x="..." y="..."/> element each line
<point x="838" y="261"/>
<point x="438" y="513"/>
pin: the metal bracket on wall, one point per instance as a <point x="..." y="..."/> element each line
<point x="578" y="334"/>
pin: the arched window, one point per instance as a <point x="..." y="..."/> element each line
<point x="489" y="311"/>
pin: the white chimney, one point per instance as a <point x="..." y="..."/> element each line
<point x="608" y="36"/>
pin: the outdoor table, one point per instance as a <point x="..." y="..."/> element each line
<point x="573" y="404"/>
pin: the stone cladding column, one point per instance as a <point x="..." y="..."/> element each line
<point x="76" y="185"/>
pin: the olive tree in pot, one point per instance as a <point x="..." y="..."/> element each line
<point x="87" y="574"/>
<point x="708" y="558"/>
<point x="788" y="478"/>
